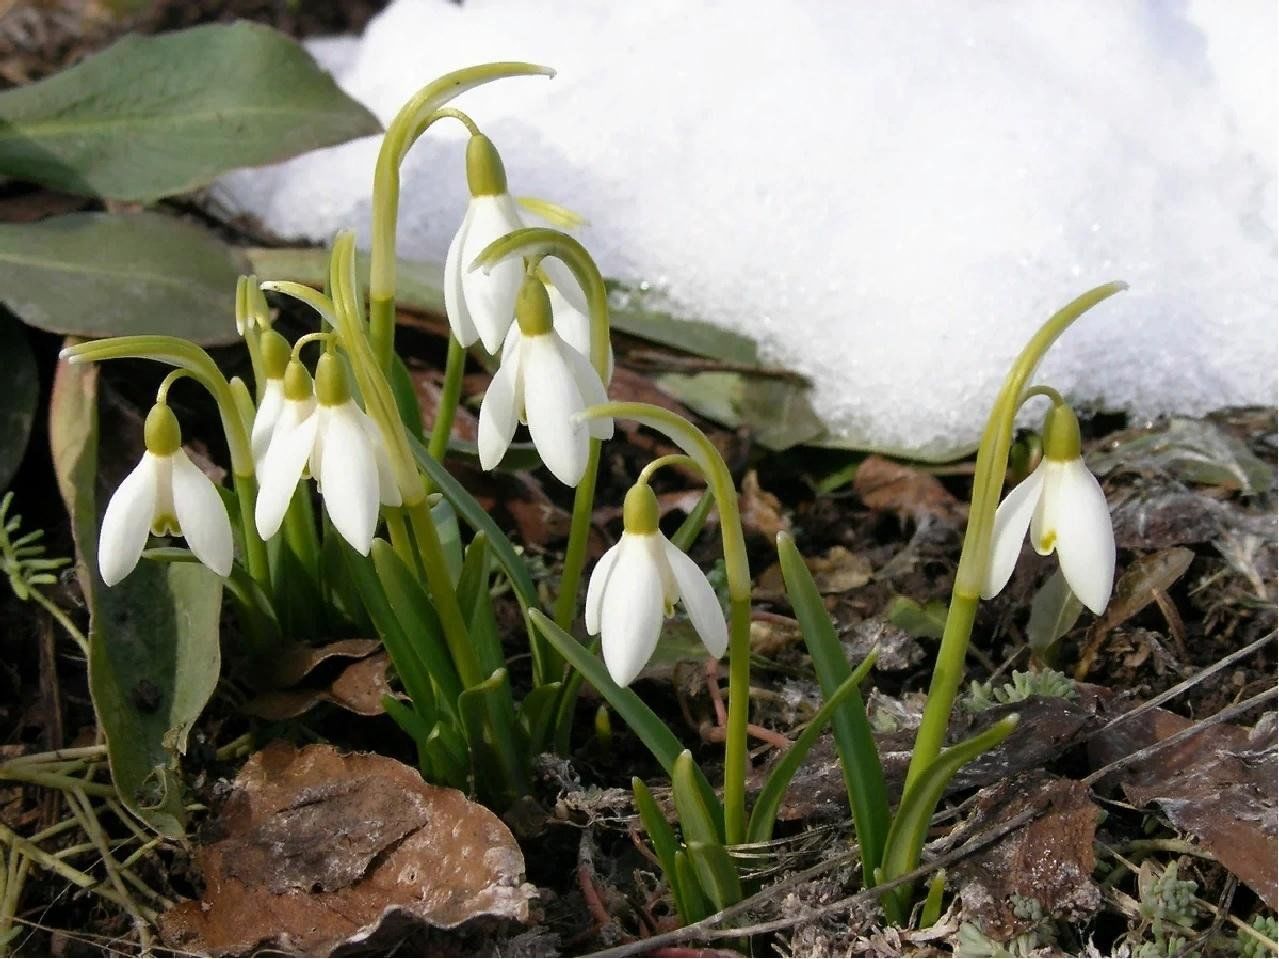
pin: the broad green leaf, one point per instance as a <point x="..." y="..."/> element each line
<point x="418" y="285"/>
<point x="776" y="409"/>
<point x="859" y="757"/>
<point x="923" y="622"/>
<point x="153" y="116"/>
<point x="154" y="654"/>
<point x="107" y="274"/>
<point x="18" y="402"/>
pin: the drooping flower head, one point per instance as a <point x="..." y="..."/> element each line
<point x="168" y="495"/>
<point x="1063" y="506"/>
<point x="328" y="433"/>
<point x="544" y="382"/>
<point x="635" y="586"/>
<point x="481" y="305"/>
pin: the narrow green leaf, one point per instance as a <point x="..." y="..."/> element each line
<point x="154" y="653"/>
<point x="488" y="715"/>
<point x="116" y="274"/>
<point x="659" y="831"/>
<point x="406" y="398"/>
<point x="152" y="116"/>
<point x="1053" y="613"/>
<point x="479" y="520"/>
<point x="863" y="774"/>
<point x="537" y="716"/>
<point x="18" y="401"/>
<point x="716" y="873"/>
<point x="477" y="604"/>
<point x="703" y="836"/>
<point x="690" y="901"/>
<point x="769" y="800"/>
<point x="447" y="750"/>
<point x="418" y="625"/>
<point x="910" y="825"/>
<point x="931" y="912"/>
<point x="651" y="730"/>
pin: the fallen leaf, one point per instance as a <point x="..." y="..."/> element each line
<point x="1049" y="860"/>
<point x="910" y="493"/>
<point x="1219" y="785"/>
<point x="358" y="688"/>
<point x="838" y="571"/>
<point x="1196" y="451"/>
<point x="761" y="511"/>
<point x="321" y="850"/>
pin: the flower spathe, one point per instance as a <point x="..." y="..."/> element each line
<point x="1064" y="508"/>
<point x="165" y="494"/>
<point x="342" y="448"/>
<point x="636" y="584"/>
<point x="544" y="382"/>
<point x="480" y="305"/>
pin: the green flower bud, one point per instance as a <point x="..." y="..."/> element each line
<point x="297" y="382"/>
<point x="331" y="385"/>
<point x="162" y="435"/>
<point x="533" y="308"/>
<point x="485" y="174"/>
<point x="1061" y="434"/>
<point x="640" y="512"/>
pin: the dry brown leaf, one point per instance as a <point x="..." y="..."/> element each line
<point x="761" y="511"/>
<point x="910" y="493"/>
<point x="1219" y="785"/>
<point x="322" y="850"/>
<point x="1050" y="859"/>
<point x="358" y="689"/>
<point x="838" y="571"/>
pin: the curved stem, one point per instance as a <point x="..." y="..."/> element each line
<point x="536" y="243"/>
<point x="300" y="291"/>
<point x="992" y="464"/>
<point x="325" y="337"/>
<point x="166" y="384"/>
<point x="737" y="567"/>
<point x="407" y="126"/>
<point x="1040" y="390"/>
<point x="671" y="459"/>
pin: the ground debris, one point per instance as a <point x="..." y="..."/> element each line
<point x="303" y="677"/>
<point x="910" y="493"/>
<point x="1049" y="861"/>
<point x="1219" y="785"/>
<point x="319" y="850"/>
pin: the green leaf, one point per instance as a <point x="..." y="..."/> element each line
<point x="537" y="715"/>
<point x="645" y="723"/>
<point x="477" y="604"/>
<point x="703" y="836"/>
<point x="685" y="887"/>
<point x="776" y="409"/>
<point x="769" y="800"/>
<point x="106" y="274"/>
<point x="18" y="402"/>
<point x="922" y="622"/>
<point x="863" y="774"/>
<point x="418" y="285"/>
<point x="658" y="829"/>
<point x="1053" y="613"/>
<point x="488" y="715"/>
<point x="154" y="655"/>
<point x="153" y="116"/>
<point x="910" y="825"/>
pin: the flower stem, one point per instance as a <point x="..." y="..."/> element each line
<point x="444" y="595"/>
<point x="409" y="124"/>
<point x="450" y="394"/>
<point x="992" y="464"/>
<point x="574" y="562"/>
<point x="737" y="567"/>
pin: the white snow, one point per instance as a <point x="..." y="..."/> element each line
<point x="889" y="197"/>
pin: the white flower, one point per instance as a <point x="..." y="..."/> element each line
<point x="1064" y="508"/>
<point x="635" y="585"/>
<point x="264" y="420"/>
<point x="572" y="323"/>
<point x="345" y="454"/>
<point x="166" y="494"/>
<point x="544" y="382"/>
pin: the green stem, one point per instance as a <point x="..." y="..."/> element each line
<point x="401" y="541"/>
<point x="670" y="459"/>
<point x="574" y="561"/>
<point x="450" y="394"/>
<point x="444" y="595"/>
<point x="408" y="125"/>
<point x="992" y="464"/>
<point x="737" y="567"/>
<point x="255" y="554"/>
<point x="62" y="619"/>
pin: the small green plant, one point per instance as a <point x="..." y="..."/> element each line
<point x="1025" y="684"/>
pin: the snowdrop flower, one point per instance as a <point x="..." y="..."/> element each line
<point x="544" y="382"/>
<point x="166" y="494"/>
<point x="275" y="360"/>
<point x="481" y="305"/>
<point x="571" y="317"/>
<point x="1063" y="506"/>
<point x="635" y="585"/>
<point x="340" y="445"/>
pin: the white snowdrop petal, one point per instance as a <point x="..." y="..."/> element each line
<point x="589" y="385"/>
<point x="574" y="328"/>
<point x="597" y="585"/>
<point x="202" y="515"/>
<point x="282" y="470"/>
<point x="1011" y="520"/>
<point x="700" y="601"/>
<point x="348" y="478"/>
<point x="264" y="420"/>
<point x="127" y="521"/>
<point x="388" y="489"/>
<point x="1085" y="537"/>
<point x="499" y="408"/>
<point x="490" y="297"/>
<point x="1046" y="520"/>
<point x="551" y="400"/>
<point x="454" y="301"/>
<point x="565" y="282"/>
<point x="631" y="612"/>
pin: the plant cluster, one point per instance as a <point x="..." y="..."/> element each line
<point x="386" y="548"/>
